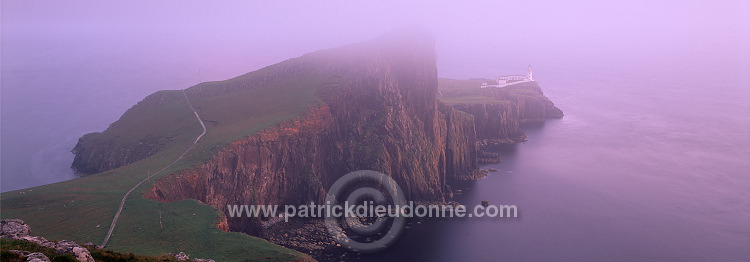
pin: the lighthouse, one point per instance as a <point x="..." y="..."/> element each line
<point x="504" y="81"/>
<point x="530" y="75"/>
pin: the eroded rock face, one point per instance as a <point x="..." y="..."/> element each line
<point x="500" y="123"/>
<point x="385" y="118"/>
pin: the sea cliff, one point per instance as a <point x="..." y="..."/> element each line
<point x="384" y="117"/>
<point x="499" y="113"/>
<point x="283" y="134"/>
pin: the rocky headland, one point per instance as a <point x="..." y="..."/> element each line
<point x="375" y="106"/>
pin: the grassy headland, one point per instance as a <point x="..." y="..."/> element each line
<point x="82" y="209"/>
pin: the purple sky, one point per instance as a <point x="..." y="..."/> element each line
<point x="229" y="39"/>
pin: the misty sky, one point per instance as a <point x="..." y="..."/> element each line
<point x="72" y="67"/>
<point x="223" y="40"/>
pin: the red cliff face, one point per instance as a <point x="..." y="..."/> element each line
<point x="383" y="116"/>
<point x="497" y="122"/>
<point x="532" y="105"/>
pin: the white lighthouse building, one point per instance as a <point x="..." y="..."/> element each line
<point x="512" y="79"/>
<point x="530" y="75"/>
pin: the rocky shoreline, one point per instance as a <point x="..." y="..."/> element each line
<point x="308" y="236"/>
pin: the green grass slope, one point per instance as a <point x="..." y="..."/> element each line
<point x="82" y="209"/>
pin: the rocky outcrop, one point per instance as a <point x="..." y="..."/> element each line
<point x="18" y="230"/>
<point x="14" y="228"/>
<point x="500" y="122"/>
<point x="70" y="247"/>
<point x="533" y="106"/>
<point x="185" y="257"/>
<point x="101" y="151"/>
<point x="92" y="158"/>
<point x="384" y="117"/>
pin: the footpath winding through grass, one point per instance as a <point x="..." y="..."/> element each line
<point x="82" y="209"/>
<point x="109" y="206"/>
<point x="125" y="198"/>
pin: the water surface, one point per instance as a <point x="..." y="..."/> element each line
<point x="647" y="168"/>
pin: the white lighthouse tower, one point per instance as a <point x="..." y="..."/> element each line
<point x="530" y="74"/>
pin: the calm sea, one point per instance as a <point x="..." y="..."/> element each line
<point x="645" y="166"/>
